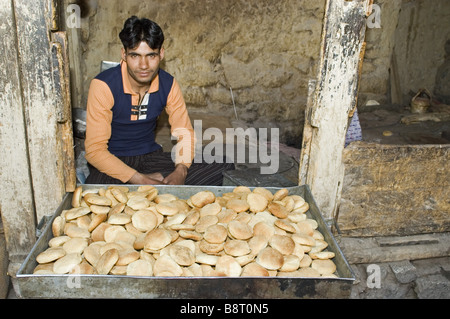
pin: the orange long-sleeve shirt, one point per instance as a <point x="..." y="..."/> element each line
<point x="99" y="116"/>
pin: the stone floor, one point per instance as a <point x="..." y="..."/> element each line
<point x="399" y="267"/>
<point x="393" y="124"/>
<point x="407" y="279"/>
<point x="416" y="279"/>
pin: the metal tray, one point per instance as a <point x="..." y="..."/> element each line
<point x="115" y="286"/>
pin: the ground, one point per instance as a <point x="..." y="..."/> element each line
<point x="416" y="279"/>
<point x="387" y="119"/>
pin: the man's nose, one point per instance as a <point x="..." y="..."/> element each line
<point x="143" y="63"/>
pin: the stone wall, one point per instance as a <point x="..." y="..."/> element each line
<point x="414" y="33"/>
<point x="374" y="84"/>
<point x="420" y="37"/>
<point x="266" y="51"/>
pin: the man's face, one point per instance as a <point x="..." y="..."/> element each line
<point x="142" y="63"/>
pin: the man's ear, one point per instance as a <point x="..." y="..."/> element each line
<point x="124" y="54"/>
<point x="161" y="53"/>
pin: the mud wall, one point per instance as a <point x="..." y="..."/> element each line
<point x="266" y="51"/>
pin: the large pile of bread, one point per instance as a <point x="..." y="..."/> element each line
<point x="116" y="231"/>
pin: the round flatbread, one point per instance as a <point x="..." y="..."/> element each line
<point x="50" y="254"/>
<point x="270" y="258"/>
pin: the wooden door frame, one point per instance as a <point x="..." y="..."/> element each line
<point x="332" y="99"/>
<point x="37" y="165"/>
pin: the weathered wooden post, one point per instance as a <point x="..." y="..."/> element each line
<point x="36" y="164"/>
<point x="16" y="196"/>
<point x="333" y="97"/>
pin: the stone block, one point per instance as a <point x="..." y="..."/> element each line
<point x="431" y="266"/>
<point x="433" y="287"/>
<point x="389" y="287"/>
<point x="404" y="271"/>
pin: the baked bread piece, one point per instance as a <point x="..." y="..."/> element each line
<point x="238" y="205"/>
<point x="139" y="268"/>
<point x="119" y="194"/>
<point x="280" y="194"/>
<point x="111" y="232"/>
<point x="210" y="209"/>
<point x="236" y="247"/>
<point x="277" y="210"/>
<point x="291" y="263"/>
<point x="74" y="213"/>
<point x="257" y="202"/>
<point x="206" y="259"/>
<point x="138" y="202"/>
<point x="209" y="248"/>
<point x="324" y="267"/>
<point x="254" y="270"/>
<point x="127" y="256"/>
<point x="144" y="220"/>
<point x="92" y="252"/>
<point x="168" y="208"/>
<point x="203" y="198"/>
<point x="58" y="241"/>
<point x="166" y="266"/>
<point x="119" y="219"/>
<point x="76" y="197"/>
<point x="96" y="220"/>
<point x="284" y="244"/>
<point x="98" y="234"/>
<point x="270" y="258"/>
<point x="182" y="255"/>
<point x="107" y="261"/>
<point x="258" y="243"/>
<point x="58" y="226"/>
<point x="204" y="222"/>
<point x="263" y="229"/>
<point x="75" y="245"/>
<point x="264" y="192"/>
<point x="95" y="199"/>
<point x="50" y="255"/>
<point x="239" y="230"/>
<point x="215" y="234"/>
<point x="72" y="230"/>
<point x="228" y="266"/>
<point x="157" y="239"/>
<point x="65" y="264"/>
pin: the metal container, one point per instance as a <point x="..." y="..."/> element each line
<point x="115" y="286"/>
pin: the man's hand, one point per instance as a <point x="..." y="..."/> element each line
<point x="147" y="179"/>
<point x="178" y="176"/>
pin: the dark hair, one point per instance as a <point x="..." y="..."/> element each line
<point x="136" y="30"/>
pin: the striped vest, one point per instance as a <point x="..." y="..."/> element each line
<point x="133" y="127"/>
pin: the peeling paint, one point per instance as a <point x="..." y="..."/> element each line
<point x="335" y="93"/>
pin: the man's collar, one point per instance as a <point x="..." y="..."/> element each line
<point x="154" y="86"/>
